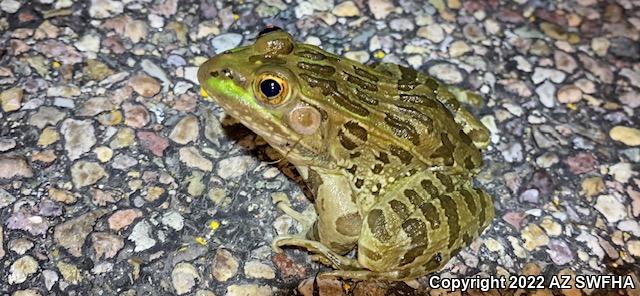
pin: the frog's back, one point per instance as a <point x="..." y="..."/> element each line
<point x="405" y="112"/>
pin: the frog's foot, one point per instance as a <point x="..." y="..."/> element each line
<point x="365" y="274"/>
<point x="321" y="253"/>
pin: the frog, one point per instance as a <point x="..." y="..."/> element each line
<point x="388" y="154"/>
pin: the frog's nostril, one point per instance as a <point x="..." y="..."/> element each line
<point x="227" y="73"/>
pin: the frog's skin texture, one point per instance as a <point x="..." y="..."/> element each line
<point x="388" y="153"/>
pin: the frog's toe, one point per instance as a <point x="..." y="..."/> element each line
<point x="321" y="259"/>
<point x="280" y="241"/>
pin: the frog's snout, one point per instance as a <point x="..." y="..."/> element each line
<point x="219" y="67"/>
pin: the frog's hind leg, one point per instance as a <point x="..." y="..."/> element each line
<point x="361" y="275"/>
<point x="392" y="275"/>
<point x="321" y="252"/>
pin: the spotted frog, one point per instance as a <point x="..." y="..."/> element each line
<point x="388" y="153"/>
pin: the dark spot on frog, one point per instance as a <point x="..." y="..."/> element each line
<point x="445" y="151"/>
<point x="467" y="239"/>
<point x="404" y="155"/>
<point x="465" y="138"/>
<point x="402" y="128"/>
<point x="369" y="253"/>
<point x="365" y="74"/>
<point x="412" y="254"/>
<point x="455" y="251"/>
<point x="366" y="85"/>
<point x="417" y="115"/>
<point x="470" y="201"/>
<point x="437" y="257"/>
<point x="317" y="69"/>
<point x="428" y="210"/>
<point x="432" y="84"/>
<point x="377" y="222"/>
<point x="453" y="221"/>
<point x="399" y="208"/>
<point x="416" y="230"/>
<point x="383" y="157"/>
<point x="214" y="73"/>
<point x="483" y="216"/>
<point x="468" y="163"/>
<point x="446" y="181"/>
<point x="358" y="131"/>
<point x="364" y="96"/>
<point x="407" y="81"/>
<point x="377" y="168"/>
<point x="330" y="88"/>
<point x="312" y="55"/>
<point x="379" y="188"/>
<point x="428" y="186"/>
<point x="353" y="169"/>
<point x="433" y="263"/>
<point x="359" y="183"/>
<point x="349" y="224"/>
<point x="345" y="141"/>
<point x="415" y="199"/>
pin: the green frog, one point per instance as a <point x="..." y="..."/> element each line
<point x="388" y="153"/>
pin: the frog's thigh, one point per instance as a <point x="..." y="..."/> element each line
<point x="415" y="229"/>
<point x="339" y="221"/>
<point x="406" y="228"/>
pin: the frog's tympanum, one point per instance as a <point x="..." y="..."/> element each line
<point x="388" y="153"/>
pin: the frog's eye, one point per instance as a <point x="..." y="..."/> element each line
<point x="274" y="42"/>
<point x="268" y="29"/>
<point x="271" y="89"/>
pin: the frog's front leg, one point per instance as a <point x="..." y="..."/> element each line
<point x="337" y="228"/>
<point x="283" y="203"/>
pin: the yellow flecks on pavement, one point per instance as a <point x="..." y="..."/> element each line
<point x="214" y="225"/>
<point x="572" y="106"/>
<point x="56" y="65"/>
<point x="201" y="241"/>
<point x="379" y="54"/>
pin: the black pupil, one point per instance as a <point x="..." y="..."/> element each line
<point x="270" y="88"/>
